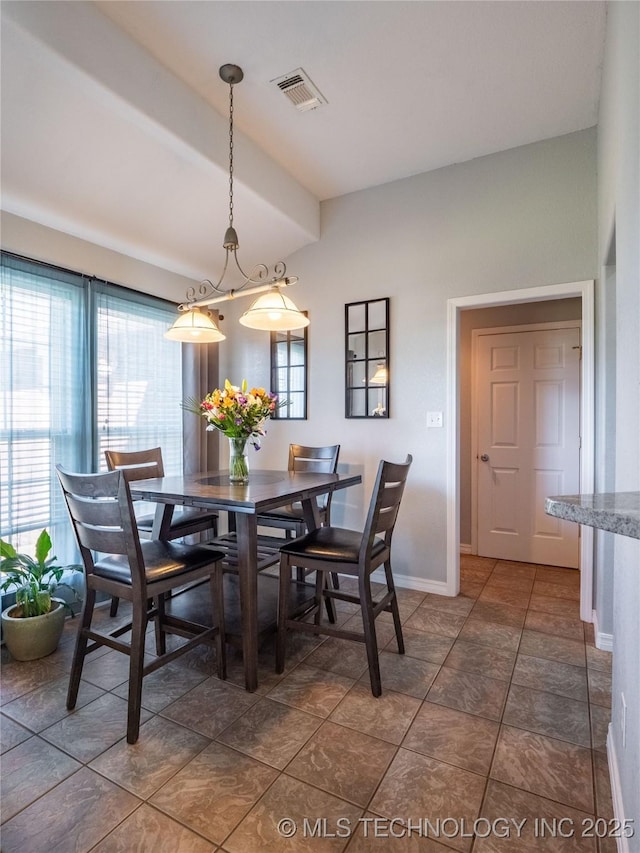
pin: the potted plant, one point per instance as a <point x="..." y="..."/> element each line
<point x="33" y="625"/>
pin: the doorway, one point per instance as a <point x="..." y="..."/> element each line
<point x="525" y="440"/>
<point x="584" y="290"/>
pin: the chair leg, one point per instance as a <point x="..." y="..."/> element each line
<point x="328" y="602"/>
<point x="335" y="580"/>
<point x="371" y="641"/>
<point x="161" y="637"/>
<point x="113" y="610"/>
<point x="80" y="649"/>
<point x="283" y="613"/>
<point x="395" y="611"/>
<point x="217" y="601"/>
<point x="320" y="583"/>
<point x="136" y="664"/>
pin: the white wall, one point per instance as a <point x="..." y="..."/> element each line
<point x="24" y="237"/>
<point x="619" y="212"/>
<point x="516" y="219"/>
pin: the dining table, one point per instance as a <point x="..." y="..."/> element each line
<point x="265" y="490"/>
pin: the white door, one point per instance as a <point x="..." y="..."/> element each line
<point x="528" y="443"/>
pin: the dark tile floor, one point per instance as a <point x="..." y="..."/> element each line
<point x="494" y="720"/>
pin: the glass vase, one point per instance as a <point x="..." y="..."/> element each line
<point x="238" y="460"/>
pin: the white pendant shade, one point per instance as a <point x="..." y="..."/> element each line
<point x="194" y="327"/>
<point x="274" y="312"/>
<point x="380" y="377"/>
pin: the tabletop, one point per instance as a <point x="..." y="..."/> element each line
<point x="265" y="490"/>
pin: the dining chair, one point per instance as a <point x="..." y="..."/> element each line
<point x="336" y="549"/>
<point x="146" y="464"/>
<point x="302" y="459"/>
<point x="103" y="521"/>
<point x="290" y="518"/>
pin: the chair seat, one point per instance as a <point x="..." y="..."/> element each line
<point x="162" y="560"/>
<point x="334" y="544"/>
<point x="182" y="518"/>
<point x="290" y="512"/>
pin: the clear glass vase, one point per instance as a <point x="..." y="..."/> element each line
<point x="238" y="460"/>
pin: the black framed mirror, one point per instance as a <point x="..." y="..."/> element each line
<point x="289" y="373"/>
<point x="367" y="359"/>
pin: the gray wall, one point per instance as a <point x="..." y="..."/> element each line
<point x="488" y="318"/>
<point x="516" y="219"/>
<point x="619" y="214"/>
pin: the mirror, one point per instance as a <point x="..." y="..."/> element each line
<point x="289" y="373"/>
<point x="367" y="359"/>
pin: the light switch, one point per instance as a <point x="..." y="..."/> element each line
<point x="434" y="419"/>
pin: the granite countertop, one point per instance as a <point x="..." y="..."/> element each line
<point x="617" y="512"/>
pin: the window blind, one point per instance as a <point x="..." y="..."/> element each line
<point x="44" y="396"/>
<point x="139" y="377"/>
<point x="84" y="367"/>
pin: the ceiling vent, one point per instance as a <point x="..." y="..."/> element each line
<point x="299" y="89"/>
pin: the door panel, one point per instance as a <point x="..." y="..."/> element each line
<point x="528" y="403"/>
<point x="505" y="414"/>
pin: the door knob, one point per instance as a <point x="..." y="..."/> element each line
<point x="484" y="458"/>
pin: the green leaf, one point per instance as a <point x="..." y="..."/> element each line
<point x="6" y="549"/>
<point x="43" y="546"/>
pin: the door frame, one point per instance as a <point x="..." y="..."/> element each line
<point x="498" y="330"/>
<point x="585" y="291"/>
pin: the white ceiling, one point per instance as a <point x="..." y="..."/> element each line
<point x="114" y="117"/>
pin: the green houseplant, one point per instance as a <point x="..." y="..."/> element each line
<point x="33" y="625"/>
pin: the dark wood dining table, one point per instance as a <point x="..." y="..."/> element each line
<point x="266" y="490"/>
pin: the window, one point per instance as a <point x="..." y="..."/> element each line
<point x="83" y="366"/>
<point x="138" y="381"/>
<point x="289" y="373"/>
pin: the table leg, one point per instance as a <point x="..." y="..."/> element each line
<point x="311" y="513"/>
<point x="162" y="521"/>
<point x="247" y="538"/>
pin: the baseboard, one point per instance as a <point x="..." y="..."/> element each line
<point x="604" y="642"/>
<point x="465" y="549"/>
<point x="412" y="582"/>
<point x="616" y="792"/>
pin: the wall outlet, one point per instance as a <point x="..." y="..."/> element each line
<point x="623" y="719"/>
<point x="434" y="419"/>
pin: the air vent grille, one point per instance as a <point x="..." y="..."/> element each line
<point x="300" y="90"/>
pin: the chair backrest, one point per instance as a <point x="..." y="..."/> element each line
<point x="101" y="513"/>
<point x="137" y="464"/>
<point x="315" y="460"/>
<point x="385" y="503"/>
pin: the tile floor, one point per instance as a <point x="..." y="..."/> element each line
<point x="494" y="719"/>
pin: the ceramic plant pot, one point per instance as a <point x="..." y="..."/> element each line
<point x="33" y="637"/>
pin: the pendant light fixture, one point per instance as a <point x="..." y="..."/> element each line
<point x="272" y="311"/>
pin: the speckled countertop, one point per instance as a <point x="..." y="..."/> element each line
<point x="617" y="512"/>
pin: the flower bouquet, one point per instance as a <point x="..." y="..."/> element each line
<point x="241" y="415"/>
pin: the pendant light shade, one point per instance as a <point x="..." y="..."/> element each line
<point x="274" y="312"/>
<point x="194" y="327"/>
<point x="380" y="377"/>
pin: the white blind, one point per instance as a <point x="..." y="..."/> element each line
<point x="139" y="379"/>
<point x="43" y="398"/>
<point x="84" y="366"/>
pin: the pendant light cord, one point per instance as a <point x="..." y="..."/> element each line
<point x="231" y="155"/>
